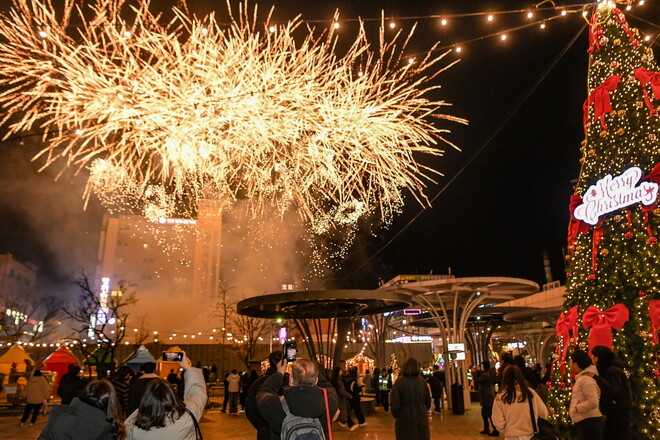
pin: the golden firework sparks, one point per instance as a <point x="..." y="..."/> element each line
<point x="165" y="113"/>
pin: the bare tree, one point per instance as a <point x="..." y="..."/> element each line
<point x="29" y="318"/>
<point x="378" y="325"/>
<point x="244" y="333"/>
<point x="100" y="321"/>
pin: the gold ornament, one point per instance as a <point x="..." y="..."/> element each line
<point x="604" y="252"/>
<point x="583" y="143"/>
<point x="582" y="160"/>
<point x="614" y="65"/>
<point x="645" y="58"/>
<point x="582" y="345"/>
<point x="639" y="104"/>
<point x="621" y="113"/>
<point x="617" y="42"/>
<point x="620" y="131"/>
<point x="652" y="137"/>
<point x="603" y="133"/>
<point x="604" y="41"/>
<point x="613" y="113"/>
<point x="592" y="152"/>
<point x="656" y="211"/>
<point x="618" y="218"/>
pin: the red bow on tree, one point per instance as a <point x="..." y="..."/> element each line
<point x="654" y="313"/>
<point x="600" y="98"/>
<point x="566" y="323"/>
<point x="621" y="18"/>
<point x="645" y="77"/>
<point x="602" y="323"/>
<point x="575" y="226"/>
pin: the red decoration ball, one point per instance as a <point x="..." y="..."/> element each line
<point x="642" y="294"/>
<point x="562" y="385"/>
<point x="592" y="277"/>
<point x="569" y="274"/>
<point x="549" y="385"/>
<point x="653" y="240"/>
<point x="656" y="373"/>
<point x="628" y="235"/>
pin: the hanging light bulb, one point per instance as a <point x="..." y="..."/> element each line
<point x="490" y="18"/>
<point x="392" y="25"/>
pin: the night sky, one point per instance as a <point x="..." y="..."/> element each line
<point x="495" y="219"/>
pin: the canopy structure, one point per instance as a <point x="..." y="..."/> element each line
<point x="140" y="357"/>
<point x="59" y="361"/>
<point x="16" y="354"/>
<point x="100" y="359"/>
<point x="324" y="317"/>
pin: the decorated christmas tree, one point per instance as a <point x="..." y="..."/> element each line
<point x="613" y="260"/>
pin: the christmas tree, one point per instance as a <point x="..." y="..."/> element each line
<point x="613" y="259"/>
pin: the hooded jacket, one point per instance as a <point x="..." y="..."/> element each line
<point x="616" y="395"/>
<point x="303" y="401"/>
<point x="77" y="421"/>
<point x="585" y="396"/>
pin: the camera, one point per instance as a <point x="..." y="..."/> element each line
<point x="172" y="356"/>
<point x="290" y="351"/>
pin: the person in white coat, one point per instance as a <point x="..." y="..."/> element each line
<point x="234" y="381"/>
<point x="163" y="415"/>
<point x="37" y="394"/>
<point x="584" y="411"/>
<point x="511" y="415"/>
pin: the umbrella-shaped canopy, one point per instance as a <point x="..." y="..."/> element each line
<point x="16" y="354"/>
<point x="141" y="356"/>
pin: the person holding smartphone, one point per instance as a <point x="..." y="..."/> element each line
<point x="163" y="415"/>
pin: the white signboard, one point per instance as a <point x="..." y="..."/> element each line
<point x="613" y="193"/>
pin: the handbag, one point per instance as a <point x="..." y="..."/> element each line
<point x="198" y="432"/>
<point x="327" y="413"/>
<point x="543" y="430"/>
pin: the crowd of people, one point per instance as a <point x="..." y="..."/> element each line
<point x="299" y="397"/>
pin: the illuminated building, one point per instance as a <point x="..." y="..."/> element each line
<point x="165" y="259"/>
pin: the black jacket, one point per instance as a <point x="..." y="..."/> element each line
<point x="77" y="421"/>
<point x="615" y="392"/>
<point x="70" y="386"/>
<point x="303" y="401"/>
<point x="253" y="415"/>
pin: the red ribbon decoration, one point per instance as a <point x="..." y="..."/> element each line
<point x="595" y="34"/>
<point x="654" y="313"/>
<point x="566" y="323"/>
<point x="645" y="77"/>
<point x="621" y="18"/>
<point x="601" y="324"/>
<point x="575" y="226"/>
<point x="600" y="98"/>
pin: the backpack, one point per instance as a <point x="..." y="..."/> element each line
<point x="299" y="428"/>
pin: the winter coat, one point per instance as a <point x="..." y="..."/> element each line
<point x="410" y="402"/>
<point x="585" y="396"/>
<point x="70" y="386"/>
<point x="77" y="421"/>
<point x="486" y="381"/>
<point x="303" y="401"/>
<point x="37" y="390"/>
<point x="182" y="428"/>
<point x="616" y="395"/>
<point x="514" y="419"/>
<point x="234" y="381"/>
<point x="251" y="412"/>
<point x="344" y="401"/>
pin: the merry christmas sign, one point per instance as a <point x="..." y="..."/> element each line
<point x="613" y="193"/>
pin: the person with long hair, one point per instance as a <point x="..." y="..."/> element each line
<point x="95" y="415"/>
<point x="343" y="400"/>
<point x="120" y="380"/>
<point x="511" y="414"/>
<point x="616" y="399"/>
<point x="163" y="415"/>
<point x="411" y="401"/>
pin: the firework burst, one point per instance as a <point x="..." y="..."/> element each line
<point x="165" y="114"/>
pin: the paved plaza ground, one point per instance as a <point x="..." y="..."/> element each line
<point x="216" y="426"/>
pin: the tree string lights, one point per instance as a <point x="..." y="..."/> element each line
<point x="164" y="115"/>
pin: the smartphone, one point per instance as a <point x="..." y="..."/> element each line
<point x="172" y="356"/>
<point x="290" y="351"/>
